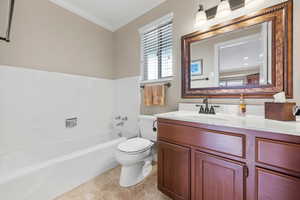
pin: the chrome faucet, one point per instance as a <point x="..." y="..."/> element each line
<point x="120" y="124"/>
<point x="121" y="121"/>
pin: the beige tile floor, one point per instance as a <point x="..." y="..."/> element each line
<point x="106" y="187"/>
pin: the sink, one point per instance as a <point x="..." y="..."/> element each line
<point x="201" y="117"/>
<point x="194" y="116"/>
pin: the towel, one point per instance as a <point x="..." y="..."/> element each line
<point x="159" y="97"/>
<point x="148" y="95"/>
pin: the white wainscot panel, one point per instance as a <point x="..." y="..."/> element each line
<point x="35" y="104"/>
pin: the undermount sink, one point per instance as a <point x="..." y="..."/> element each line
<point x="199" y="117"/>
<point x="195" y="116"/>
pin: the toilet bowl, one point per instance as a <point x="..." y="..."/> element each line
<point x="136" y="159"/>
<point x="135" y="155"/>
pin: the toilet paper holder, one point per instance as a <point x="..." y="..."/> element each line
<point x="154" y="128"/>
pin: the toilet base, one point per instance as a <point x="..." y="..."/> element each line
<point x="134" y="174"/>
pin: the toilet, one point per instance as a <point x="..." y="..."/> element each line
<point x="135" y="155"/>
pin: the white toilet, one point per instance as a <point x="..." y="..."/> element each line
<point x="135" y="155"/>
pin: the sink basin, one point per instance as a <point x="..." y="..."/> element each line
<point x="201" y="117"/>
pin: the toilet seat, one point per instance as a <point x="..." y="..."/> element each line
<point x="135" y="146"/>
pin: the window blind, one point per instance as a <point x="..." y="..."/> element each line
<point x="157" y="52"/>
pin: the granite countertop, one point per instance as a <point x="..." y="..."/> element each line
<point x="249" y="122"/>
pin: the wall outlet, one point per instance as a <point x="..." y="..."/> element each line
<point x="71" y="123"/>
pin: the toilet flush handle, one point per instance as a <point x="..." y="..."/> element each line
<point x="297" y="111"/>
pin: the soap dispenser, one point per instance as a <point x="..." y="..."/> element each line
<point x="243" y="108"/>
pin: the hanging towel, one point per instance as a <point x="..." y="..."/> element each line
<point x="148" y="95"/>
<point x="159" y="97"/>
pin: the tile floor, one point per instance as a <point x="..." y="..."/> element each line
<point x="106" y="187"/>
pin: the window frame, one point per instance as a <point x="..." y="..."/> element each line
<point x="148" y="28"/>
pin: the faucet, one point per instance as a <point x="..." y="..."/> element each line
<point x="121" y="120"/>
<point x="120" y="124"/>
<point x="207" y="109"/>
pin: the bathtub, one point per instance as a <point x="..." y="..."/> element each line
<point x="42" y="174"/>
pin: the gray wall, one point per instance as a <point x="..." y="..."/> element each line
<point x="50" y="38"/>
<point x="128" y="49"/>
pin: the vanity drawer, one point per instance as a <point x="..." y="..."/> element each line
<point x="278" y="154"/>
<point x="227" y="143"/>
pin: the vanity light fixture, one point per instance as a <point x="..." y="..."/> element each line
<point x="223" y="9"/>
<point x="201" y="17"/>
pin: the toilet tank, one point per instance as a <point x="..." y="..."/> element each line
<point x="146" y="127"/>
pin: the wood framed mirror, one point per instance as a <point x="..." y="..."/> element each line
<point x="251" y="55"/>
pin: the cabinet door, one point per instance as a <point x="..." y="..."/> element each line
<point x="275" y="186"/>
<point x="174" y="170"/>
<point x="215" y="178"/>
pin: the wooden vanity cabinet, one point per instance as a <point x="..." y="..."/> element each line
<point x="174" y="170"/>
<point x="205" y="162"/>
<point x="216" y="178"/>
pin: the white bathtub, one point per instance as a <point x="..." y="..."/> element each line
<point x="42" y="174"/>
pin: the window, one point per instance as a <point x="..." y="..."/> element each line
<point x="157" y="49"/>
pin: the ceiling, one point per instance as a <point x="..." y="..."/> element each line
<point x="110" y="14"/>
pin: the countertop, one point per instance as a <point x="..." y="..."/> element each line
<point x="249" y="122"/>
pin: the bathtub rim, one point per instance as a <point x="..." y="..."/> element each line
<point x="39" y="166"/>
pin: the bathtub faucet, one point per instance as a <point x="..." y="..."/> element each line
<point x="120" y="124"/>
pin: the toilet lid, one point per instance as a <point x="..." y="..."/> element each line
<point x="135" y="145"/>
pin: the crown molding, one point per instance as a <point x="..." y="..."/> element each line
<point x="78" y="11"/>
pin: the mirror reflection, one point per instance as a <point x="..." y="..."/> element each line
<point x="236" y="59"/>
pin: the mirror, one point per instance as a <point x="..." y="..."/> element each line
<point x="6" y="12"/>
<point x="238" y="58"/>
<point x="250" y="55"/>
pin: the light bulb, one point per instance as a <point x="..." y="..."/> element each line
<point x="223" y="9"/>
<point x="201" y="17"/>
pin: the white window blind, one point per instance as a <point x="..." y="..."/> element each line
<point x="157" y="50"/>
